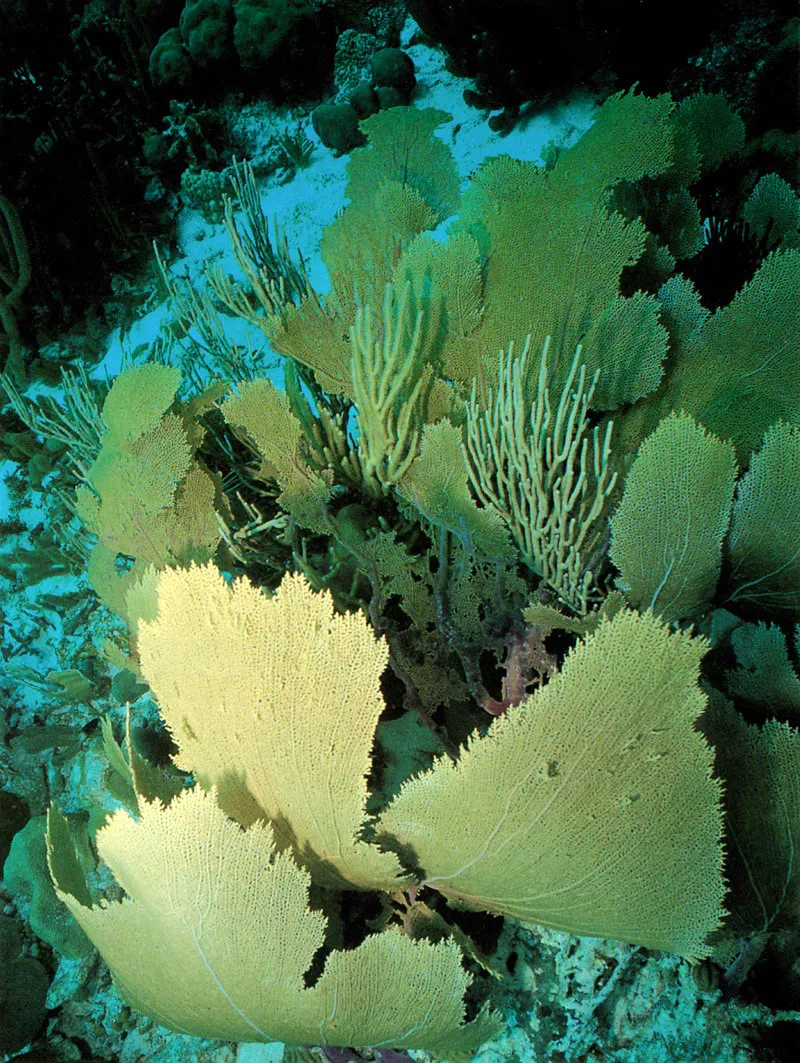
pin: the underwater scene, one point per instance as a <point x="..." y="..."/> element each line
<point x="399" y="531"/>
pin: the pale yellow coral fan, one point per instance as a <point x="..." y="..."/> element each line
<point x="215" y="936"/>
<point x="275" y="702"/>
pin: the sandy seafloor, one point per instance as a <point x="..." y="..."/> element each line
<point x="564" y="999"/>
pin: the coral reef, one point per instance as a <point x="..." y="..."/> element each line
<point x="453" y="648"/>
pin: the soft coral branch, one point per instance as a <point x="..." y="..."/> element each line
<point x="527" y="661"/>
